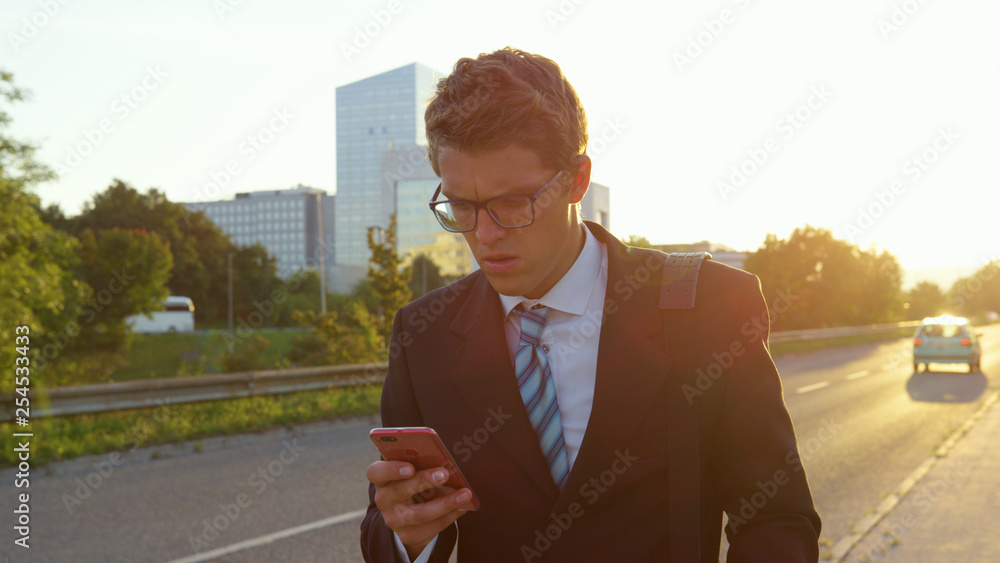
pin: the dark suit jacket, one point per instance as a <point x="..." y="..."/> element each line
<point x="449" y="369"/>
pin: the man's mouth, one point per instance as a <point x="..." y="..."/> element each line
<point x="499" y="263"/>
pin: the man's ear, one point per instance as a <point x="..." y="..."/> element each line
<point x="581" y="179"/>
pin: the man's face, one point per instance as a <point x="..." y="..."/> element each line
<point x="529" y="260"/>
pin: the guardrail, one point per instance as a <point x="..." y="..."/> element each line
<point x="105" y="397"/>
<point x="838" y="332"/>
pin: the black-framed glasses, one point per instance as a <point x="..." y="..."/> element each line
<point x="509" y="211"/>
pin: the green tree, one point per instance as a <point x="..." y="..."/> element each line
<point x="979" y="293"/>
<point x="388" y="282"/>
<point x="128" y="272"/>
<point x="199" y="248"/>
<point x="424" y="274"/>
<point x="247" y="355"/>
<point x="37" y="287"/>
<point x="814" y="280"/>
<point x="255" y="278"/>
<point x="348" y="336"/>
<point x="301" y="294"/>
<point x="926" y="299"/>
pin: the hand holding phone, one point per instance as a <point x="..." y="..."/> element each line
<point x="422" y="447"/>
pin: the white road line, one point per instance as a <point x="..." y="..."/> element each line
<point x="272" y="537"/>
<point x="809" y="388"/>
<point x="858" y="374"/>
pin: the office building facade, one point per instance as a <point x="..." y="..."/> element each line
<point x="295" y="225"/>
<point x="407" y="174"/>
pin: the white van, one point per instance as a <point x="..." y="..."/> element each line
<point x="177" y="316"/>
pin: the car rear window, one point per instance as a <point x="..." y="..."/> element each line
<point x="943" y="331"/>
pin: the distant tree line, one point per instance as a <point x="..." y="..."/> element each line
<point x="835" y="283"/>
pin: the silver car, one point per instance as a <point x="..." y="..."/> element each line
<point x="946" y="340"/>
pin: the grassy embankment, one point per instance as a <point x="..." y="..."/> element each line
<point x="173" y="355"/>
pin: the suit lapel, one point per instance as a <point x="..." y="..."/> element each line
<point x="482" y="372"/>
<point x="632" y="365"/>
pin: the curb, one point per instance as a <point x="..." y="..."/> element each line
<point x="861" y="528"/>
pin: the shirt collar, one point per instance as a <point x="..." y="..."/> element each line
<point x="572" y="292"/>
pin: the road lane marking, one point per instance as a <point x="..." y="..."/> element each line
<point x="268" y="538"/>
<point x="858" y="374"/>
<point x="809" y="388"/>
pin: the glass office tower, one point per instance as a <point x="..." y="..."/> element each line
<point x="374" y="115"/>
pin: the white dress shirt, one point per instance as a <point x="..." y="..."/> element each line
<point x="570" y="338"/>
<point x="570" y="341"/>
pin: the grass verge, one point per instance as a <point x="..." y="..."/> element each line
<point x="172" y="355"/>
<point x="67" y="437"/>
<point x="783" y="348"/>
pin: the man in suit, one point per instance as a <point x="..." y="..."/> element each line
<point x="592" y="424"/>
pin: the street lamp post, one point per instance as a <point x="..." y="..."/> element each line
<point x="229" y="265"/>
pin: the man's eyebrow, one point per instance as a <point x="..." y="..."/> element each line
<point x="522" y="190"/>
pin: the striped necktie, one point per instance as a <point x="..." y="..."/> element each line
<point x="534" y="379"/>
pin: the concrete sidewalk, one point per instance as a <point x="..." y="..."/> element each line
<point x="951" y="514"/>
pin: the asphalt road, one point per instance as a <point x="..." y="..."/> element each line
<point x="863" y="418"/>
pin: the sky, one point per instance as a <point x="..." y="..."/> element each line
<point x="719" y="120"/>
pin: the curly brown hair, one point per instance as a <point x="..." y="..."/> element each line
<point x="504" y="97"/>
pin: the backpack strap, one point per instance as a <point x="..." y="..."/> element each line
<point x="678" y="290"/>
<point x="680" y="279"/>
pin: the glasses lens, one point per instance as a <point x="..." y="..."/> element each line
<point x="456" y="217"/>
<point x="512" y="211"/>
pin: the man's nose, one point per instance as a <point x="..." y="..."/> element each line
<point x="487" y="229"/>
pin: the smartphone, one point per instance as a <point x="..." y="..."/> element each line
<point x="422" y="447"/>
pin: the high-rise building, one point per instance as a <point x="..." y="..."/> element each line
<point x="295" y="225"/>
<point x="374" y="115"/>
<point x="407" y="173"/>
